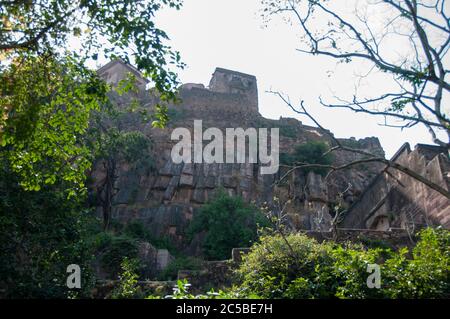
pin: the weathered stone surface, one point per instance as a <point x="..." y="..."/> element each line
<point x="316" y="188"/>
<point x="188" y="169"/>
<point x="187" y="180"/>
<point x="163" y="259"/>
<point x="147" y="255"/>
<point x="162" y="182"/>
<point x="171" y="169"/>
<point x="199" y="196"/>
<point x="399" y="201"/>
<point x="170" y="190"/>
<point x="162" y="198"/>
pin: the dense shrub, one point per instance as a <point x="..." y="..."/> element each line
<point x="427" y="274"/>
<point x="228" y="222"/>
<point x="181" y="291"/>
<point x="276" y="268"/>
<point x="127" y="287"/>
<point x="41" y="233"/>
<point x="113" y="249"/>
<point x="309" y="153"/>
<point x="137" y="230"/>
<point x="296" y="266"/>
<point x="180" y="263"/>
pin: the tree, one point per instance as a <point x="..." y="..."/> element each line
<point x="49" y="101"/>
<point x="419" y="31"/>
<point x="47" y="88"/>
<point x="41" y="233"/>
<point x="228" y="223"/>
<point x="113" y="143"/>
<point x="120" y="28"/>
<point x="418" y="77"/>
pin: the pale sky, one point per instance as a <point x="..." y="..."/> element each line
<point x="230" y="34"/>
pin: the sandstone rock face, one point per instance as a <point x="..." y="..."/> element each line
<point x="166" y="199"/>
<point x="395" y="200"/>
<point x="163" y="259"/>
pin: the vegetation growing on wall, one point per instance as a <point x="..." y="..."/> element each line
<point x="227" y="222"/>
<point x="313" y="152"/>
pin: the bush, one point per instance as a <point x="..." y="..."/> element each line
<point x="427" y="274"/>
<point x="180" y="263"/>
<point x="128" y="280"/>
<point x="181" y="291"/>
<point x="113" y="249"/>
<point x="288" y="131"/>
<point x="299" y="267"/>
<point x="137" y="230"/>
<point x="41" y="233"/>
<point x="276" y="268"/>
<point x="228" y="223"/>
<point x="309" y="153"/>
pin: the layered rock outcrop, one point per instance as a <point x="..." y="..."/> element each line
<point x="167" y="198"/>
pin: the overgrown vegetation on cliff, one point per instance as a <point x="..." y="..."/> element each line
<point x="227" y="222"/>
<point x="312" y="153"/>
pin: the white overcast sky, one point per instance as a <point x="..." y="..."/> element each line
<point x="230" y="34"/>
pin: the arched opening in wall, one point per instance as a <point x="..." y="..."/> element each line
<point x="381" y="223"/>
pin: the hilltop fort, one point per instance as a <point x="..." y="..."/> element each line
<point x="166" y="199"/>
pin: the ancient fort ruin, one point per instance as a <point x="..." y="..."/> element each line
<point x="166" y="199"/>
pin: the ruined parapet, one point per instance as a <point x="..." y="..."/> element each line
<point x="395" y="199"/>
<point x="227" y="81"/>
<point x="117" y="70"/>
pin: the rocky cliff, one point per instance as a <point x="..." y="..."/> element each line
<point x="167" y="198"/>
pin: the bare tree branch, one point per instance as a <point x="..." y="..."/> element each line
<point x="371" y="158"/>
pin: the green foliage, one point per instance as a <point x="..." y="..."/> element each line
<point x="47" y="99"/>
<point x="399" y="105"/>
<point x="272" y="270"/>
<point x="180" y="263"/>
<point x="47" y="94"/>
<point x="48" y="102"/>
<point x="176" y="114"/>
<point x="309" y="153"/>
<point x="350" y="274"/>
<point x="41" y="233"/>
<point x="109" y="28"/>
<point x="305" y="268"/>
<point x="113" y="249"/>
<point x="228" y="222"/>
<point x="112" y="143"/>
<point x="131" y="146"/>
<point x="137" y="230"/>
<point x="351" y="143"/>
<point x="288" y="131"/>
<point x="128" y="280"/>
<point x="181" y="291"/>
<point x="427" y="274"/>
